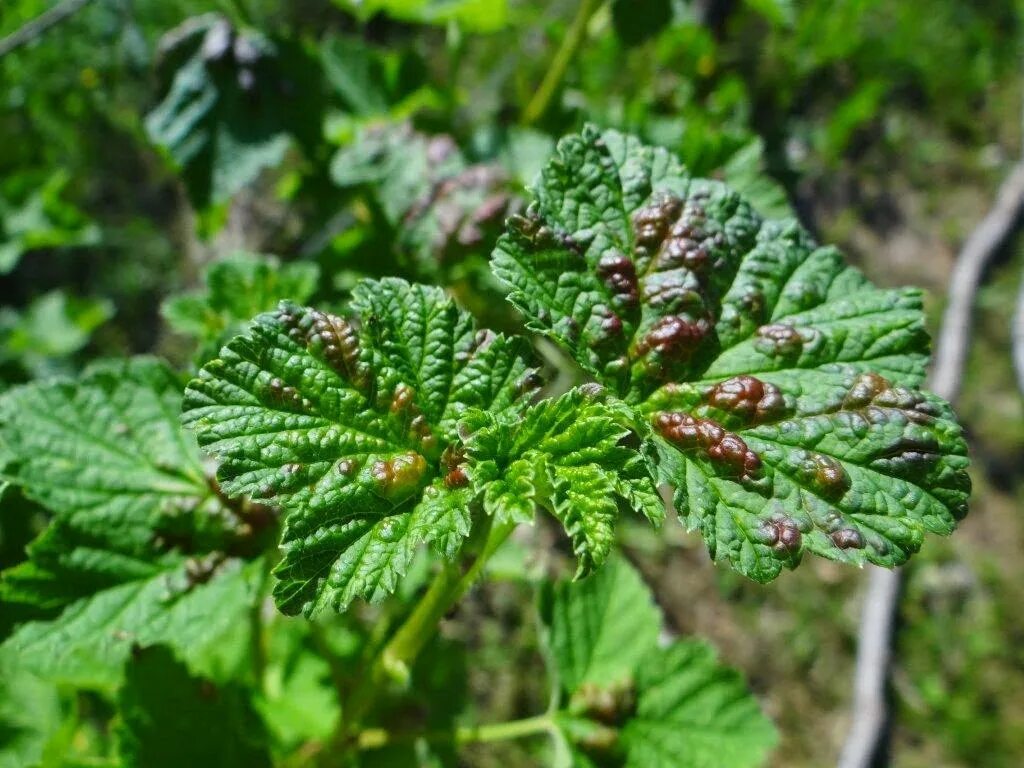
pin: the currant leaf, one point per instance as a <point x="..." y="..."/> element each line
<point x="106" y="455"/>
<point x="778" y="383"/>
<point x="598" y="629"/>
<point x="569" y="456"/>
<point x="236" y="289"/>
<point x="623" y="700"/>
<point x="349" y="425"/>
<point x="693" y="712"/>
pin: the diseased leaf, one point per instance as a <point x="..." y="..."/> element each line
<point x="171" y="718"/>
<point x="107" y="456"/>
<point x="598" y="629"/>
<point x="443" y="207"/>
<point x="351" y="431"/>
<point x="691" y="713"/>
<point x="777" y="381"/>
<point x="122" y="559"/>
<point x="568" y="455"/>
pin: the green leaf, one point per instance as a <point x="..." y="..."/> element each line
<point x="745" y="172"/>
<point x="200" y="608"/>
<point x="473" y="15"/>
<point x="778" y="382"/>
<point x="107" y="456"/>
<point x="691" y="712"/>
<point x="237" y="288"/>
<point x="30" y="714"/>
<point x="569" y="455"/>
<point x="598" y="629"/>
<point x="349" y="432"/>
<point x="232" y="107"/>
<point x="171" y="718"/>
<point x="297" y="699"/>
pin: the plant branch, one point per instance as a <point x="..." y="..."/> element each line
<point x="375" y="738"/>
<point x="1017" y="336"/>
<point x="35" y="29"/>
<point x="874" y="642"/>
<point x="538" y="105"/>
<point x="447" y="588"/>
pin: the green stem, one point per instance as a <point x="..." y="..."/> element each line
<point x="571" y="43"/>
<point x="447" y="588"/>
<point x="375" y="738"/>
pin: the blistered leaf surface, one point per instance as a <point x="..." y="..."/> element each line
<point x="778" y="383"/>
<point x="349" y="426"/>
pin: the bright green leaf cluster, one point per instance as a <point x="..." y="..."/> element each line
<point x="355" y="427"/>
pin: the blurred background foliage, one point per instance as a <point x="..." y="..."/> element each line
<point x="150" y="149"/>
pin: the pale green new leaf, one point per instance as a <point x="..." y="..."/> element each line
<point x="777" y="381"/>
<point x="691" y="712"/>
<point x="598" y="629"/>
<point x="348" y="429"/>
<point x="570" y="456"/>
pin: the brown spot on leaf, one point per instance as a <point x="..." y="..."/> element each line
<point x="398" y="477"/>
<point x="779" y="339"/>
<point x="847" y="538"/>
<point x="675" y="337"/>
<point x="824" y="474"/>
<point x="782" y="534"/>
<point x="748" y="397"/>
<point x="457" y="478"/>
<point x="336" y="341"/>
<point x="347" y="467"/>
<point x="402" y="399"/>
<point x="721" y="446"/>
<point x="618" y="273"/>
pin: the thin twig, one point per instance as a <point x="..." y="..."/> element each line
<point x="40" y="24"/>
<point x="1017" y="336"/>
<point x="951" y="349"/>
<point x="874" y="643"/>
<point x="574" y="37"/>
